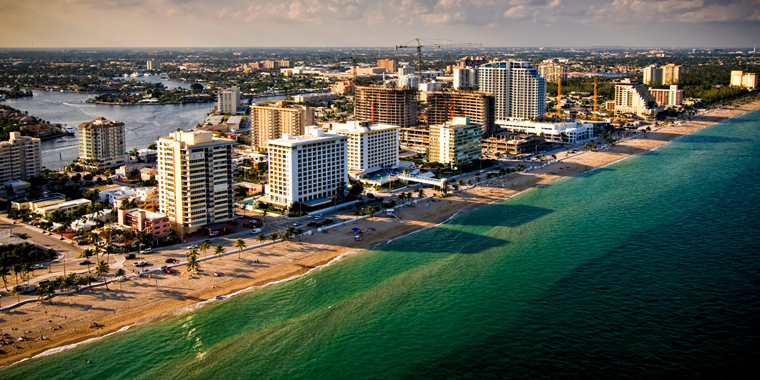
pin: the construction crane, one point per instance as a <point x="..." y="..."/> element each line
<point x="595" y="84"/>
<point x="559" y="92"/>
<point x="438" y="43"/>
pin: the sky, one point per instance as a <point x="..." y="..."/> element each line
<point x="378" y="23"/>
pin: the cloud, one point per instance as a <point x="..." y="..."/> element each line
<point x="677" y="11"/>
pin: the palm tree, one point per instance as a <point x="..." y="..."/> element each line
<point x="297" y="233"/>
<point x="273" y="238"/>
<point x="460" y="182"/>
<point x="219" y="250"/>
<point x="46" y="291"/>
<point x="51" y="254"/>
<point x="4" y="272"/>
<point x="420" y="193"/>
<point x="203" y="248"/>
<point x="261" y="238"/>
<point x="264" y="217"/>
<point x="16" y="291"/>
<point x="119" y="274"/>
<point x="477" y="179"/>
<point x="192" y="262"/>
<point x="371" y="211"/>
<point x="469" y="182"/>
<point x="82" y="281"/>
<point x="240" y="244"/>
<point x="356" y="215"/>
<point x="101" y="269"/>
<point x="87" y="253"/>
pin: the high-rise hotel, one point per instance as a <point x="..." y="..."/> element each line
<point x="195" y="180"/>
<point x="519" y="90"/>
<point x="307" y="169"/>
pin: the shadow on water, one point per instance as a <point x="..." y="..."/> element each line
<point x="644" y="308"/>
<point x="712" y="139"/>
<point x="596" y="171"/>
<point x="438" y="240"/>
<point x="507" y="215"/>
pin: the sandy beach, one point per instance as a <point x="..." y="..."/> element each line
<point x="69" y="319"/>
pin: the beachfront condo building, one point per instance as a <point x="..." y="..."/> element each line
<point x="443" y="106"/>
<point x="228" y="100"/>
<point x="102" y="144"/>
<point x="465" y="78"/>
<point x="20" y="158"/>
<point x="670" y="97"/>
<point x="386" y="105"/>
<point x="663" y="75"/>
<point x="741" y="79"/>
<point x="195" y="180"/>
<point x="309" y="168"/>
<point x="518" y="89"/>
<point x="271" y="122"/>
<point x="371" y="147"/>
<point x="455" y="143"/>
<point x="552" y="70"/>
<point x="634" y="98"/>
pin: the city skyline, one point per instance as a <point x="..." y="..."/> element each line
<point x="365" y="23"/>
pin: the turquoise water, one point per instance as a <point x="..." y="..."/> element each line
<point x="648" y="268"/>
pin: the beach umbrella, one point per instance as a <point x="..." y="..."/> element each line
<point x="355" y="229"/>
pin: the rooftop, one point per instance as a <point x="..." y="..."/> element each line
<point x="313" y="134"/>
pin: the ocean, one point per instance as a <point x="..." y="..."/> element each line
<point x="647" y="268"/>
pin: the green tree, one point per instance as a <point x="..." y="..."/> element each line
<point x="119" y="274"/>
<point x="192" y="261"/>
<point x="240" y="244"/>
<point x="219" y="250"/>
<point x="101" y="269"/>
<point x="204" y="247"/>
<point x="4" y="272"/>
<point x="16" y="290"/>
<point x="371" y="211"/>
<point x="261" y="238"/>
<point x="46" y="291"/>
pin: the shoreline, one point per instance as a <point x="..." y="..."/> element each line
<point x="141" y="302"/>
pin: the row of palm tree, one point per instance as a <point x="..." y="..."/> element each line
<point x="71" y="280"/>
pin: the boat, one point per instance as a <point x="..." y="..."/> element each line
<point x="162" y="76"/>
<point x="71" y="130"/>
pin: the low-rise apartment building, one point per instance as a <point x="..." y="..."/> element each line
<point x="145" y="221"/>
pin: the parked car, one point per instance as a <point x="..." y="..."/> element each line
<point x="147" y="249"/>
<point x="171" y="261"/>
<point x="37" y="266"/>
<point x="130" y="256"/>
<point x="256" y="231"/>
<point x="140" y="263"/>
<point x="194" y="246"/>
<point x="213" y="233"/>
<point x="85" y="262"/>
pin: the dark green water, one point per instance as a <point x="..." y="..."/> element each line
<point x="648" y="268"/>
